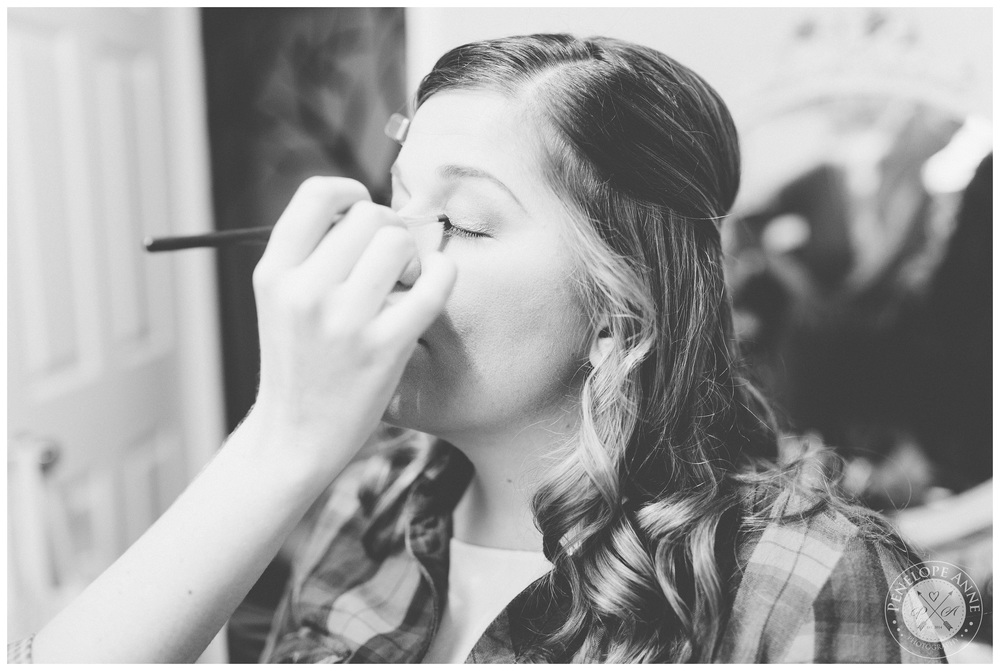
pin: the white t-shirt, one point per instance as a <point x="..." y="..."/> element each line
<point x="481" y="582"/>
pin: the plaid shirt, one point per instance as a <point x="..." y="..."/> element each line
<point x="810" y="591"/>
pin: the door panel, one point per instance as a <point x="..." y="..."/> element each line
<point x="95" y="364"/>
<point x="52" y="265"/>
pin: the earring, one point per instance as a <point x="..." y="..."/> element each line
<point x="601" y="346"/>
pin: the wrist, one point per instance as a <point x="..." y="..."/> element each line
<point x="285" y="452"/>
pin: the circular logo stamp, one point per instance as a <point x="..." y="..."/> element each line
<point x="932" y="607"/>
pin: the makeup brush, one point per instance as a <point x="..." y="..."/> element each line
<point x="259" y="235"/>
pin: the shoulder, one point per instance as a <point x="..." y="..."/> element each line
<point x="334" y="524"/>
<point x="332" y="516"/>
<point x="365" y="504"/>
<point x="813" y="589"/>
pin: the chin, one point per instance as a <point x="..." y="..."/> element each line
<point x="393" y="413"/>
<point x="404" y="414"/>
<point x="413" y="403"/>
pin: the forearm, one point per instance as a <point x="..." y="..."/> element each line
<point x="333" y="349"/>
<point x="170" y="593"/>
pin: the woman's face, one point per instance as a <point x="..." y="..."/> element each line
<point x="507" y="350"/>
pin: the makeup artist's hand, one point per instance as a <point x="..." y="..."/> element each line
<point x="333" y="348"/>
<point x="332" y="351"/>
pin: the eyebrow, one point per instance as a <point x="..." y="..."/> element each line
<point x="468" y="172"/>
<point x="454" y="171"/>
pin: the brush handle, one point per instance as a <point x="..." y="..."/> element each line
<point x="258" y="235"/>
<point x="217" y="239"/>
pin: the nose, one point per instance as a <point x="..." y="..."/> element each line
<point x="429" y="236"/>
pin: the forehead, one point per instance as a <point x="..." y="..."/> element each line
<point x="479" y="128"/>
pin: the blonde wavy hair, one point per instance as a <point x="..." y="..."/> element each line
<point x="676" y="457"/>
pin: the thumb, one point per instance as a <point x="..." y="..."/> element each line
<point x="415" y="310"/>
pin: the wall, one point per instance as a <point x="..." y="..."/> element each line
<point x="742" y="51"/>
<point x="291" y="93"/>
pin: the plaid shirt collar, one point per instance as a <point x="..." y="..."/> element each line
<point x="349" y="606"/>
<point x="807" y="592"/>
<point x="346" y="606"/>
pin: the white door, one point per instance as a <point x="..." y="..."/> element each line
<point x="109" y="347"/>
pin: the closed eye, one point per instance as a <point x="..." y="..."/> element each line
<point x="450" y="229"/>
<point x="399" y="193"/>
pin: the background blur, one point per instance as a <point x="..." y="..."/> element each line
<point x="859" y="253"/>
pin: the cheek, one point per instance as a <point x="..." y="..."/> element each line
<point x="512" y="313"/>
<point x="508" y="346"/>
<point x="519" y="326"/>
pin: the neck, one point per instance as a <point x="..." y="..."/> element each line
<point x="495" y="510"/>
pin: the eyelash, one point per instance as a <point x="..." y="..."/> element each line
<point x="451" y="229"/>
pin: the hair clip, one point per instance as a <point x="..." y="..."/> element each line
<point x="396" y="127"/>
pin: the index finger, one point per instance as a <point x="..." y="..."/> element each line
<point x="315" y="206"/>
<point x="409" y="313"/>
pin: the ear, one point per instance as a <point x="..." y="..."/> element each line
<point x="601" y="346"/>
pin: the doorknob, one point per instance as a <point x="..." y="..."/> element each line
<point x="41" y="544"/>
<point x="41" y="451"/>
